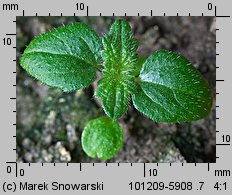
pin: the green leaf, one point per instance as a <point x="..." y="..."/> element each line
<point x="172" y="90"/>
<point x="65" y="57"/>
<point x="119" y="65"/>
<point x="102" y="138"/>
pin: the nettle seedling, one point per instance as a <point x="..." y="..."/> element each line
<point x="165" y="88"/>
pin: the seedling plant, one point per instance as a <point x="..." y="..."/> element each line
<point x="165" y="87"/>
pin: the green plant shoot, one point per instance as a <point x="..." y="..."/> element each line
<point x="165" y="87"/>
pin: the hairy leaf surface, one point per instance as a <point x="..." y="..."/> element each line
<point x="119" y="66"/>
<point x="102" y="138"/>
<point x="172" y="90"/>
<point x="65" y="57"/>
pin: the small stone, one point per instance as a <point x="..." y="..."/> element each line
<point x="65" y="155"/>
<point x="71" y="134"/>
<point x="28" y="157"/>
<point x="47" y="139"/>
<point x="61" y="100"/>
<point x="26" y="143"/>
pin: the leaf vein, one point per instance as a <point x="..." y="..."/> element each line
<point x="62" y="54"/>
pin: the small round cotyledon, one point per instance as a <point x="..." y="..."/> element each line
<point x="102" y="138"/>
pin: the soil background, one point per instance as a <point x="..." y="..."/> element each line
<point x="50" y="122"/>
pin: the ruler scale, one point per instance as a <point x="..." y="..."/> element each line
<point x="115" y="178"/>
